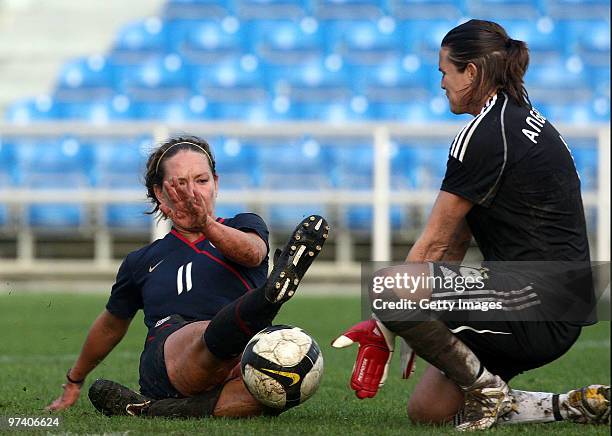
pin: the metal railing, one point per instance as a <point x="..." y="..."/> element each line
<point x="381" y="196"/>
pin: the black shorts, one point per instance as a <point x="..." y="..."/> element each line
<point x="154" y="381"/>
<point x="505" y="342"/>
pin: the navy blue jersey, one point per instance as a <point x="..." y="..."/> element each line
<point x="191" y="279"/>
<point x="517" y="170"/>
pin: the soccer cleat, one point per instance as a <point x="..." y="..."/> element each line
<point x="113" y="399"/>
<point x="295" y="258"/>
<point x="484" y="405"/>
<point x="588" y="405"/>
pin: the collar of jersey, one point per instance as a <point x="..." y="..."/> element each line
<point x="197" y="241"/>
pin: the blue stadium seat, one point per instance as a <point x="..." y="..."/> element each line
<point x="589" y="39"/>
<point x="9" y="170"/>
<point x="236" y="163"/>
<point x="427" y="9"/>
<point x="4" y="216"/>
<point x="285" y="41"/>
<point x="129" y="217"/>
<point x="503" y="9"/>
<point x="315" y="89"/>
<point x="210" y="41"/>
<point x="30" y="110"/>
<point x="562" y="86"/>
<point x="42" y="159"/>
<point x="578" y="9"/>
<point x="309" y="72"/>
<point x="424" y="36"/>
<point x="90" y="75"/>
<point x="580" y="112"/>
<point x="423" y="164"/>
<point x="349" y="9"/>
<point x="52" y="164"/>
<point x="287" y="163"/>
<point x="284" y="217"/>
<point x="120" y="161"/>
<point x="271" y="9"/>
<point x="196" y="10"/>
<point x="360" y="218"/>
<point x="586" y="159"/>
<point x="234" y="90"/>
<point x="142" y="36"/>
<point x="244" y="71"/>
<point x="544" y="38"/>
<point x="97" y="111"/>
<point x="56" y="216"/>
<point x="364" y="41"/>
<point x="230" y="210"/>
<point x="354" y="163"/>
<point x="164" y="72"/>
<point x="120" y="164"/>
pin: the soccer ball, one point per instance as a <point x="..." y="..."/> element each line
<point x="282" y="366"/>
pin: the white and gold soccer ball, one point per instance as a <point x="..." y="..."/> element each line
<point x="282" y="366"/>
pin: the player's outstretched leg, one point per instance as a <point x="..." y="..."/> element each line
<point x="235" y="324"/>
<point x="486" y="395"/>
<point x="295" y="258"/>
<point x="589" y="405"/>
<point x="113" y="399"/>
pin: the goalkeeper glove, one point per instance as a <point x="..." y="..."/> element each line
<point x="376" y="344"/>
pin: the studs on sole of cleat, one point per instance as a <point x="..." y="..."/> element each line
<point x="298" y="237"/>
<point x="293" y="248"/>
<point x="290" y="293"/>
<point x="277" y="285"/>
<point x="312" y="218"/>
<point x="318" y="248"/>
<point x="327" y="228"/>
<point x="282" y="274"/>
<point x="305" y="224"/>
<point x="296" y="281"/>
<point x="325" y="235"/>
<point x="311" y="253"/>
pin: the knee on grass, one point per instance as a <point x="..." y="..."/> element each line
<point x="433" y="412"/>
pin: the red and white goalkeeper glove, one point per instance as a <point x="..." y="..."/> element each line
<point x="376" y="344"/>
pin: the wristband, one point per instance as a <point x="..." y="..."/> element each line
<point x="74" y="382"/>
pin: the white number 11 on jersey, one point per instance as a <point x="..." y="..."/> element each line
<point x="187" y="278"/>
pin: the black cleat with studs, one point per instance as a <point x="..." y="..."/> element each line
<point x="295" y="258"/>
<point x="113" y="399"/>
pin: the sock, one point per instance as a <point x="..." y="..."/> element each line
<point x="432" y="341"/>
<point x="200" y="406"/>
<point x="235" y="324"/>
<point x="533" y="407"/>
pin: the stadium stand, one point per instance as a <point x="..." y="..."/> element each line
<point x="267" y="60"/>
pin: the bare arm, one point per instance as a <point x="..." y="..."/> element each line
<point x="105" y="333"/>
<point x="247" y="249"/>
<point x="460" y="244"/>
<point x="445" y="233"/>
<point x="190" y="212"/>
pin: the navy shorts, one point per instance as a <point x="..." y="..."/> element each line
<point x="510" y="344"/>
<point x="154" y="380"/>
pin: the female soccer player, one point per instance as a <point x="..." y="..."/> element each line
<point x="510" y="183"/>
<point x="204" y="291"/>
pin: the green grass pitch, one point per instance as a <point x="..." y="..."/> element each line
<point x="41" y="335"/>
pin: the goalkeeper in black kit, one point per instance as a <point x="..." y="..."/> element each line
<point x="512" y="185"/>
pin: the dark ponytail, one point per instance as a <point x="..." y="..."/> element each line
<point x="516" y="66"/>
<point x="500" y="60"/>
